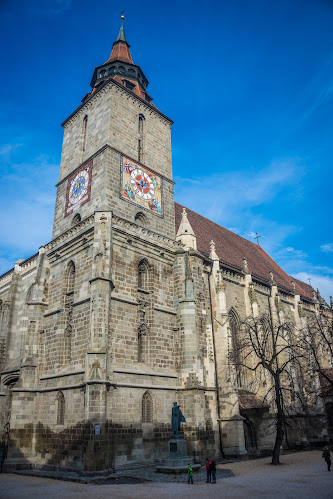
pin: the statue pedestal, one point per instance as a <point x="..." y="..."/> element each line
<point x="178" y="460"/>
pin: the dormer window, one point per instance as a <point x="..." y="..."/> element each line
<point x="148" y="99"/>
<point x="128" y="84"/>
<point x="102" y="74"/>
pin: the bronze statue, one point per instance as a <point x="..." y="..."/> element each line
<point x="177" y="418"/>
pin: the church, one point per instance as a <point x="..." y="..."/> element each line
<point x="133" y="304"/>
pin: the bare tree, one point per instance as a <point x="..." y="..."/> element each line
<point x="267" y="346"/>
<point x="316" y="338"/>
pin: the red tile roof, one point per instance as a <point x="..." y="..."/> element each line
<point x="231" y="249"/>
<point x="120" y="52"/>
<point x="251" y="401"/>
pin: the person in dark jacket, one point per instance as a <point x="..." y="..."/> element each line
<point x="212" y="468"/>
<point x="327" y="456"/>
<point x="209" y="473"/>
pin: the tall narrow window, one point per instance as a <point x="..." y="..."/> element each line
<point x="147" y="408"/>
<point x="143" y="342"/>
<point x="234" y="326"/>
<point x="84" y="136"/>
<point x="60" y="408"/>
<point x="141" y="137"/>
<point x="69" y="302"/>
<point x="143" y="275"/>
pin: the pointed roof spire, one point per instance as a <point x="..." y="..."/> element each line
<point x="185" y="232"/>
<point x="121" y="48"/>
<point x="212" y="253"/>
<point x="121" y="35"/>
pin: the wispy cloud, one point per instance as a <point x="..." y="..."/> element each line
<point x="327" y="248"/>
<point x="26" y="204"/>
<point x="244" y="189"/>
<point x="315" y="93"/>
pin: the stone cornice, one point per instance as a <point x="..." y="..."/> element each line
<point x="70" y="232"/>
<point x="126" y="227"/>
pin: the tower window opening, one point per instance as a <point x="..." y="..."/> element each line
<point x="141" y="137"/>
<point x="129" y="85"/>
<point x="84" y="135"/>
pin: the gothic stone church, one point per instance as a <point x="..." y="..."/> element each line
<point x="133" y="304"/>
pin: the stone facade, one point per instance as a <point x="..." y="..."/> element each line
<point x="117" y="317"/>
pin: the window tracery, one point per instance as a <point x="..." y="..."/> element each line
<point x="69" y="303"/>
<point x="143" y="275"/>
<point x="147" y="408"/>
<point x="60" y="408"/>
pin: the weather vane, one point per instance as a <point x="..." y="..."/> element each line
<point x="122" y="13"/>
<point x="309" y="280"/>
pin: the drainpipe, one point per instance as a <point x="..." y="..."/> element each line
<point x="216" y="378"/>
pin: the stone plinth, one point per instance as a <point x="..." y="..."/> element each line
<point x="178" y="460"/>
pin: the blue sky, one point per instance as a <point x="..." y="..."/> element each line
<point x="248" y="84"/>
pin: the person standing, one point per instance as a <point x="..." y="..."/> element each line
<point x="327" y="456"/>
<point x="209" y="474"/>
<point x="212" y="468"/>
<point x="190" y="474"/>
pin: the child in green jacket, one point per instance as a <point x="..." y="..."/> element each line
<point x="190" y="474"/>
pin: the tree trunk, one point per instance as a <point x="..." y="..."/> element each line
<point x="279" y="424"/>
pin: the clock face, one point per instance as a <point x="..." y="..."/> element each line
<point x="142" y="184"/>
<point x="79" y="187"/>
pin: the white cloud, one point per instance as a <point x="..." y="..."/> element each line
<point x="27" y="205"/>
<point x="327" y="248"/>
<point x="217" y="196"/>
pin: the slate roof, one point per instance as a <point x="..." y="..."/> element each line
<point x="231" y="249"/>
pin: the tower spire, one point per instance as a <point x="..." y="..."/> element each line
<point x="121" y="35"/>
<point x="121" y="68"/>
<point x="121" y="48"/>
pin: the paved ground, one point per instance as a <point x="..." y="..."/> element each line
<point x="302" y="475"/>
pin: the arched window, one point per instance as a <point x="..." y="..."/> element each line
<point x="143" y="342"/>
<point x="141" y="137"/>
<point x="84" y="135"/>
<point x="143" y="275"/>
<point x="141" y="219"/>
<point x="236" y="354"/>
<point x="70" y="277"/>
<point x="76" y="219"/>
<point x="147" y="408"/>
<point x="60" y="408"/>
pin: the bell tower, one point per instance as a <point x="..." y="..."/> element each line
<point x="116" y="153"/>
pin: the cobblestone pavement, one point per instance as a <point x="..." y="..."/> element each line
<point x="147" y="473"/>
<point x="301" y="475"/>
